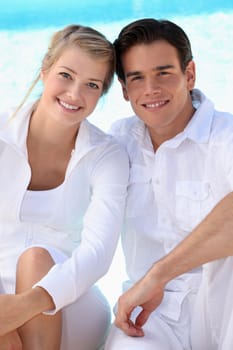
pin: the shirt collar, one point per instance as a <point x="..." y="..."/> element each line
<point x="14" y="132"/>
<point x="89" y="137"/>
<point x="141" y="133"/>
<point x="199" y="127"/>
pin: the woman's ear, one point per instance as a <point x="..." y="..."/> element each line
<point x="190" y="72"/>
<point x="124" y="90"/>
<point x="43" y="74"/>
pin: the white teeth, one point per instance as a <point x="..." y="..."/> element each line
<point x="66" y="105"/>
<point x="154" y="105"/>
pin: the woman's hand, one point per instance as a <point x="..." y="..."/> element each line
<point x="16" y="309"/>
<point x="13" y="313"/>
<point x="10" y="341"/>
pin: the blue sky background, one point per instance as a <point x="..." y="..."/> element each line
<point x="38" y="13"/>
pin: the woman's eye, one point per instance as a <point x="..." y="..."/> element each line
<point x="65" y="75"/>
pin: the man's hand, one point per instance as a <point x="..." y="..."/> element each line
<point x="146" y="294"/>
<point x="10" y="341"/>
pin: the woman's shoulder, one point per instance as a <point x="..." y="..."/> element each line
<point x="124" y="125"/>
<point x="97" y="136"/>
<point x="100" y="141"/>
<point x="6" y="115"/>
<point x="12" y="111"/>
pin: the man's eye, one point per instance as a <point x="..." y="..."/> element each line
<point x="93" y="85"/>
<point x="138" y="77"/>
<point x="164" y="73"/>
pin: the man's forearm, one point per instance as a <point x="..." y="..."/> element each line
<point x="212" y="239"/>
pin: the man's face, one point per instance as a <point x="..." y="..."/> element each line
<point x="156" y="87"/>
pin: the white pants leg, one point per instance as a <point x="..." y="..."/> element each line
<point x="85" y="322"/>
<point x="161" y="333"/>
<point x="201" y="334"/>
<point x="158" y="336"/>
<point x="213" y="317"/>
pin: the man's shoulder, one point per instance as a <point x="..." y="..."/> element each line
<point x="222" y="121"/>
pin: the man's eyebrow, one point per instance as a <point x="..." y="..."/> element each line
<point x="157" y="68"/>
<point x="166" y="66"/>
<point x="133" y="73"/>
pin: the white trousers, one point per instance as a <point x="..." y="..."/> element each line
<point x="212" y="323"/>
<point x="85" y="322"/>
<point x="161" y="333"/>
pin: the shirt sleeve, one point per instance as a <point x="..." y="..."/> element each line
<point x="103" y="219"/>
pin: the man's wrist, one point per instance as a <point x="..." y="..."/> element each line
<point x="160" y="273"/>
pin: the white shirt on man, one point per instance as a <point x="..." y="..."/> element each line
<point x="170" y="192"/>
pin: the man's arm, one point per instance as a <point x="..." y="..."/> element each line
<point x="212" y="239"/>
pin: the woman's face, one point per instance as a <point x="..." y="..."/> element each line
<point x="73" y="86"/>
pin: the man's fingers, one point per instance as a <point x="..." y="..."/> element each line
<point x="142" y="318"/>
<point x="124" y="322"/>
<point x="129" y="328"/>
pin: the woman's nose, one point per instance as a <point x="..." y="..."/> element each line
<point x="75" y="92"/>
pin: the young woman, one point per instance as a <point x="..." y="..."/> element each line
<point x="63" y="186"/>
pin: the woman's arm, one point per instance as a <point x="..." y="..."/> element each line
<point x="91" y="259"/>
<point x="16" y="309"/>
<point x="102" y="224"/>
<point x="10" y="341"/>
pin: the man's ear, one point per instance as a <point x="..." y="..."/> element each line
<point x="190" y="72"/>
<point x="124" y="90"/>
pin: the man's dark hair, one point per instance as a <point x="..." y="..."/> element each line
<point x="148" y="30"/>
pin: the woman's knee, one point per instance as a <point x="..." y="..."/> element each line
<point x="33" y="257"/>
<point x="33" y="264"/>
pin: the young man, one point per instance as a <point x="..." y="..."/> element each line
<point x="180" y="151"/>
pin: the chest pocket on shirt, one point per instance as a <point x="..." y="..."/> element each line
<point x="138" y="190"/>
<point x="191" y="203"/>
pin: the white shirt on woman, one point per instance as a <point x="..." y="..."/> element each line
<point x="83" y="218"/>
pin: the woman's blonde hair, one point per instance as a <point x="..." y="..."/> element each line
<point x="88" y="39"/>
